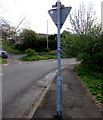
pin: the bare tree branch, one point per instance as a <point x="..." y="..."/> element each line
<point x="83" y="20"/>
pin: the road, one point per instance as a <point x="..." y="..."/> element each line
<point x="22" y="83"/>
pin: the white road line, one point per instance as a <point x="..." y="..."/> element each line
<point x="2" y="74"/>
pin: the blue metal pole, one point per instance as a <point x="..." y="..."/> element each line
<point x="59" y="79"/>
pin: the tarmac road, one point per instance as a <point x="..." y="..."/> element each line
<point x="22" y="83"/>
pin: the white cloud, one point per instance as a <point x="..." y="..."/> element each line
<point x="37" y="12"/>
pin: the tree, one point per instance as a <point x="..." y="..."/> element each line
<point x="53" y="41"/>
<point x="71" y="44"/>
<point x="83" y="19"/>
<point x="29" y="39"/>
<point x="92" y="53"/>
<point x="87" y="48"/>
<point x="8" y="32"/>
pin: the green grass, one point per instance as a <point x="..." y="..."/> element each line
<point x="0" y="42"/>
<point x="40" y="56"/>
<point x="7" y="46"/>
<point x="3" y="61"/>
<point x="93" y="80"/>
<point x="35" y="58"/>
<point x="11" y="49"/>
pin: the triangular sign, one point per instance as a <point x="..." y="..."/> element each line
<point x="63" y="15"/>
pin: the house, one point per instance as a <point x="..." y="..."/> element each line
<point x="43" y="34"/>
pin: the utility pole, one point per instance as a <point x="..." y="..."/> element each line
<point x="59" y="14"/>
<point x="47" y="34"/>
<point x="102" y="14"/>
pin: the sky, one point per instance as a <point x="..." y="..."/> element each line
<point x="36" y="14"/>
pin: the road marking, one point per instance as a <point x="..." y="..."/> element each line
<point x="2" y="74"/>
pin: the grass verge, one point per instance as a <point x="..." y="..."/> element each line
<point x="35" y="58"/>
<point x="93" y="80"/>
<point x="7" y="46"/>
<point x="3" y="61"/>
<point x="42" y="56"/>
<point x="11" y="49"/>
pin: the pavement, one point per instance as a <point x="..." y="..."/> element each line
<point x="78" y="103"/>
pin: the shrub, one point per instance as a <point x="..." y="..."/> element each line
<point x="31" y="52"/>
<point x="53" y="53"/>
<point x="34" y="58"/>
<point x="47" y="49"/>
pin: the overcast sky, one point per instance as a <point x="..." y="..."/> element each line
<point x="36" y="12"/>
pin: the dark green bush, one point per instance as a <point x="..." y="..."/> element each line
<point x="34" y="58"/>
<point x="47" y="49"/>
<point x="31" y="52"/>
<point x="87" y="48"/>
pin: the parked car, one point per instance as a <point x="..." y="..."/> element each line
<point x="3" y="54"/>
